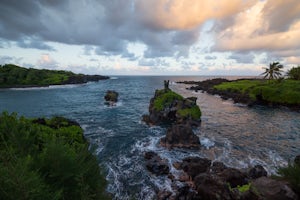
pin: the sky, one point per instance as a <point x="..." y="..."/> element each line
<point x="150" y="37"/>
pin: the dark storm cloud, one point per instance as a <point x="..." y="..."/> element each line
<point x="107" y="25"/>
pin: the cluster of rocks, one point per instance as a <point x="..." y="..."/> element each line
<point x="203" y="179"/>
<point x="111" y="97"/>
<point x="180" y="133"/>
<point x="200" y="177"/>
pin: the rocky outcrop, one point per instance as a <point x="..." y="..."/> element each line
<point x="207" y="180"/>
<point x="111" y="97"/>
<point x="155" y="164"/>
<point x="80" y="78"/>
<point x="270" y="189"/>
<point x="168" y="107"/>
<point x="180" y="136"/>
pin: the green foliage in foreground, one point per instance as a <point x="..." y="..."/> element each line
<point x="46" y="159"/>
<point x="164" y="98"/>
<point x="291" y="173"/>
<point x="12" y="75"/>
<point x="283" y="92"/>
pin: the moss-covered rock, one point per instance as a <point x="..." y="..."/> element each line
<point x="169" y="107"/>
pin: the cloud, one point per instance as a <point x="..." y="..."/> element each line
<point x="210" y="57"/>
<point x="46" y="61"/>
<point x="179" y="14"/>
<point x="256" y="29"/>
<point x="242" y="57"/>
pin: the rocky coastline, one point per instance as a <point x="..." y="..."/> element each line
<point x="208" y="86"/>
<point x="197" y="177"/>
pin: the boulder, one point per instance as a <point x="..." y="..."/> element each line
<point x="180" y="136"/>
<point x="256" y="172"/>
<point x="195" y="165"/>
<point x="111" y="97"/>
<point x="156" y="164"/>
<point x="217" y="167"/>
<point x="211" y="187"/>
<point x="234" y="177"/>
<point x="270" y="189"/>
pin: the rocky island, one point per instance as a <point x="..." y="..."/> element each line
<point x="13" y="76"/>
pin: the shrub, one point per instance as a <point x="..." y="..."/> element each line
<point x="38" y="161"/>
<point x="165" y="98"/>
<point x="294" y="73"/>
<point x="291" y="173"/>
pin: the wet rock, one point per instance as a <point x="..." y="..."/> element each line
<point x="212" y="187"/>
<point x="180" y="136"/>
<point x="257" y="171"/>
<point x="186" y="193"/>
<point x="297" y="160"/>
<point x="234" y="177"/>
<point x="195" y="165"/>
<point x="270" y="189"/>
<point x="217" y="167"/>
<point x="111" y="97"/>
<point x="156" y="164"/>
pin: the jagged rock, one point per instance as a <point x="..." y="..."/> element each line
<point x="234" y="177"/>
<point x="156" y="164"/>
<point x="270" y="189"/>
<point x="217" y="167"/>
<point x="168" y="107"/>
<point x="195" y="165"/>
<point x="257" y="171"/>
<point x="180" y="136"/>
<point x="211" y="187"/>
<point x="111" y="97"/>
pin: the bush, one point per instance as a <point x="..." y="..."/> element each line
<point x="291" y="173"/>
<point x="294" y="73"/>
<point x="41" y="161"/>
<point x="163" y="98"/>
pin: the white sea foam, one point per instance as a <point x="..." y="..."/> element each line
<point x="207" y="142"/>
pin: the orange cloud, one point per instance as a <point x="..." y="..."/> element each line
<point x="257" y="29"/>
<point x="186" y="14"/>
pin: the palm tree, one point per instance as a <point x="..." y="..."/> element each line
<point x="274" y="71"/>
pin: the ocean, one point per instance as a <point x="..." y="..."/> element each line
<point x="235" y="134"/>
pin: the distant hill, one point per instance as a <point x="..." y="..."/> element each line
<point x="16" y="76"/>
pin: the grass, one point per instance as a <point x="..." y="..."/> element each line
<point x="165" y="98"/>
<point x="193" y="112"/>
<point x="283" y="92"/>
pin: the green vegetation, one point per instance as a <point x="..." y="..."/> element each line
<point x="193" y="112"/>
<point x="46" y="159"/>
<point x="291" y="173"/>
<point x="284" y="92"/>
<point x="164" y="98"/>
<point x="15" y="76"/>
<point x="244" y="188"/>
<point x="294" y="73"/>
<point x="12" y="75"/>
<point x="273" y="71"/>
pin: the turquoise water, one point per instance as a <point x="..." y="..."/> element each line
<point x="234" y="134"/>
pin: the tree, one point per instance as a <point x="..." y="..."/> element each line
<point x="294" y="73"/>
<point x="273" y="71"/>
